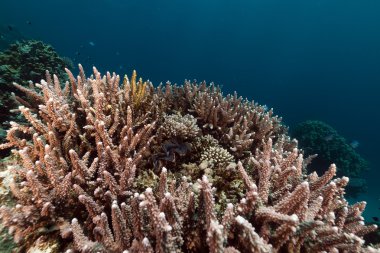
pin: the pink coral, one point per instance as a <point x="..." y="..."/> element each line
<point x="86" y="153"/>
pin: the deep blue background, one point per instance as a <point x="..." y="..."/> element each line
<point x="310" y="59"/>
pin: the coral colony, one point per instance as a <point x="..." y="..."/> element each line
<point x="131" y="167"/>
<point x="22" y="62"/>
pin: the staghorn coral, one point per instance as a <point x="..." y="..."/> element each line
<point x="87" y="155"/>
<point x="22" y="62"/>
<point x="137" y="89"/>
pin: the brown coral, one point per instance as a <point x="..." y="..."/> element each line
<point x="216" y="157"/>
<point x="92" y="146"/>
<point x="177" y="126"/>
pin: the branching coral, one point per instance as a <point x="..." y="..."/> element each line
<point x="93" y="145"/>
<point x="137" y="89"/>
<point x="217" y="156"/>
<point x="23" y="62"/>
<point x="177" y="126"/>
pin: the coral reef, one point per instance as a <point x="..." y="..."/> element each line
<point x="317" y="137"/>
<point x="23" y="62"/>
<point x="138" y="168"/>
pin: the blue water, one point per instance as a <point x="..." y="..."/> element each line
<point x="310" y="59"/>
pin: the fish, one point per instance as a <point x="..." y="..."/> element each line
<point x="91" y="43"/>
<point x="10" y="28"/>
<point x="354" y="144"/>
<point x="28" y="22"/>
<point x="375" y="218"/>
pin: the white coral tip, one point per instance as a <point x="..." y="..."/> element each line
<point x="294" y="217"/>
<point x="145" y="241"/>
<point x="239" y="219"/>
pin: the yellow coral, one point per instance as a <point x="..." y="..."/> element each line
<point x="137" y="89"/>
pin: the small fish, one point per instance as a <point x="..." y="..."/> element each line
<point x="91" y="43"/>
<point x="354" y="144"/>
<point x="10" y="28"/>
<point x="77" y="53"/>
<point x="375" y="218"/>
<point x="28" y="22"/>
